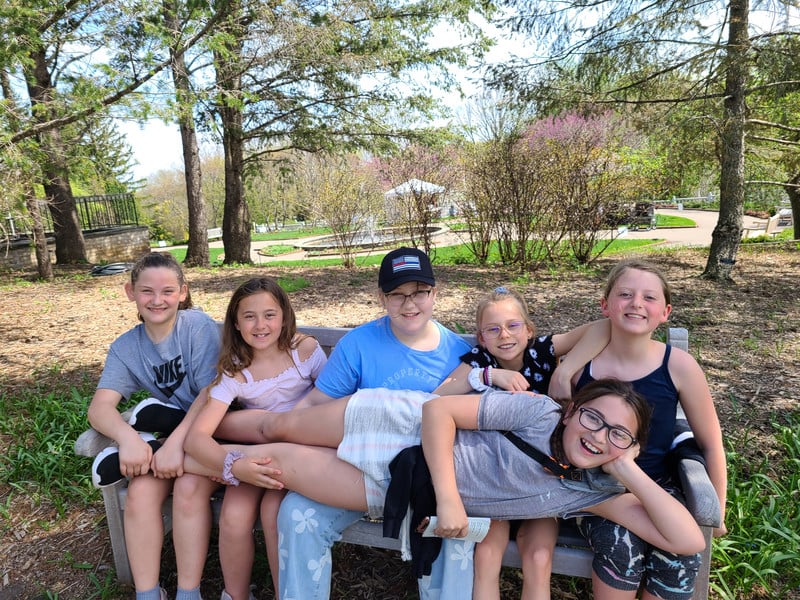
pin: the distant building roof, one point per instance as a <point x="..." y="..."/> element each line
<point x="415" y="185"/>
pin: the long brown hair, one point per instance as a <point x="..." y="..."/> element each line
<point x="605" y="387"/>
<point x="235" y="353"/>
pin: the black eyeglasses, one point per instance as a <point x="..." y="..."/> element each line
<point x="396" y="299"/>
<point x="618" y="436"/>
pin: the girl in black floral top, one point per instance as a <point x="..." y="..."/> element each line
<point x="510" y="356"/>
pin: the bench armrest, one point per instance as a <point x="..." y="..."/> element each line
<point x="90" y="443"/>
<point x="701" y="497"/>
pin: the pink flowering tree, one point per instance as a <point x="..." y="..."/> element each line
<point x="419" y="180"/>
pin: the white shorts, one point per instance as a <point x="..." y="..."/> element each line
<point x="378" y="424"/>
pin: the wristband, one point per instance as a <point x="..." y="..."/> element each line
<point x="227" y="473"/>
<point x="475" y="380"/>
<point x="489" y="376"/>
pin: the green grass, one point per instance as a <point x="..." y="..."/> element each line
<point x="291" y="234"/>
<point x="276" y="250"/>
<point x="214" y="254"/>
<point x="762" y="548"/>
<point x="451" y="255"/>
<point x="445" y="255"/>
<point x="782" y="236"/>
<point x="661" y="221"/>
<point x="673" y="221"/>
<point x="41" y="426"/>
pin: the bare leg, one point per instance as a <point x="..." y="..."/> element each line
<point x="191" y="531"/>
<point x="489" y="561"/>
<point x="603" y="591"/>
<point x="313" y="471"/>
<point x="144" y="529"/>
<point x="319" y="425"/>
<point x="270" y="504"/>
<point x="536" y="541"/>
<point x="242" y="426"/>
<point x="236" y="543"/>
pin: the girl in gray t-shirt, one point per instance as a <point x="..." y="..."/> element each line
<point x="172" y="355"/>
<point x="597" y="436"/>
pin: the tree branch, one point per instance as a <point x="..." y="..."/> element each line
<point x="762" y="138"/>
<point x="773" y="124"/>
<point x="780" y="183"/>
<point x="118" y="95"/>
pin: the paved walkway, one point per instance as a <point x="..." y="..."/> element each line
<point x="700" y="235"/>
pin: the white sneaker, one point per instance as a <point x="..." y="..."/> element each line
<point x="226" y="596"/>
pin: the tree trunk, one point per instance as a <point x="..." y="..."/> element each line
<point x="236" y="216"/>
<point x="70" y="245"/>
<point x="197" y="253"/>
<point x="727" y="234"/>
<point x="793" y="191"/>
<point x="43" y="265"/>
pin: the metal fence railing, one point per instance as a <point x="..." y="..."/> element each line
<point x="94" y="212"/>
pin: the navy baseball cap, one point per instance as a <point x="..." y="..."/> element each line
<point x="403" y="265"/>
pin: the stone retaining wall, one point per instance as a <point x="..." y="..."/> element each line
<point x="124" y="244"/>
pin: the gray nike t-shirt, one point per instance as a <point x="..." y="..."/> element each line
<point x="174" y="370"/>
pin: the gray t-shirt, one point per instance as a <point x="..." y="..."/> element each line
<point x="174" y="370"/>
<point x="496" y="479"/>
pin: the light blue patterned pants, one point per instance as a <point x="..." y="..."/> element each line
<point x="308" y="530"/>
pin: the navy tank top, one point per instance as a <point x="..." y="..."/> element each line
<point x="659" y="390"/>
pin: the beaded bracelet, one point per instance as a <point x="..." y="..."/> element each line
<point x="227" y="467"/>
<point x="487" y="377"/>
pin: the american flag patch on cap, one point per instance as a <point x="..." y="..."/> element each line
<point x="406" y="263"/>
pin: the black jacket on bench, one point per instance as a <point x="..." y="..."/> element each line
<point x="411" y="485"/>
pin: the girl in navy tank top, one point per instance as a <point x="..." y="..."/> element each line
<point x="637" y="300"/>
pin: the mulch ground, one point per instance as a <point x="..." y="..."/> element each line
<point x="743" y="334"/>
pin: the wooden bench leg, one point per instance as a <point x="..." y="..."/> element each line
<point x="116" y="531"/>
<point x="701" y="583"/>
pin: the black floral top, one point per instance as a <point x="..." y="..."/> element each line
<point x="538" y="362"/>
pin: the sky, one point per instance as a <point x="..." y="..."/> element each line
<point x="157" y="146"/>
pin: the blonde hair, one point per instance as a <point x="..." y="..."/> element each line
<point x="502" y="294"/>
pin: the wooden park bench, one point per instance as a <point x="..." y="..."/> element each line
<point x="769" y="229"/>
<point x="572" y="556"/>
